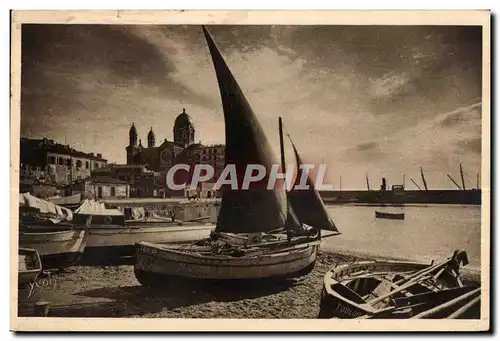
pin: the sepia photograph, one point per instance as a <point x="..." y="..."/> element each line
<point x="205" y="166"/>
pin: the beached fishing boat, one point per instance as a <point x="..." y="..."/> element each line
<point x="30" y="266"/>
<point x="260" y="233"/>
<point x="386" y="215"/>
<point x="47" y="228"/>
<point x="57" y="249"/>
<point x="393" y="289"/>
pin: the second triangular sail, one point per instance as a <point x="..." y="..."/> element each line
<point x="307" y="203"/>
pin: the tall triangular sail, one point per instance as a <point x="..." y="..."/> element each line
<point x="307" y="204"/>
<point x="256" y="209"/>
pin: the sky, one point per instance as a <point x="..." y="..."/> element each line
<point x="376" y="100"/>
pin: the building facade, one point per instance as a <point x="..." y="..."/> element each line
<point x="106" y="187"/>
<point x="51" y="162"/>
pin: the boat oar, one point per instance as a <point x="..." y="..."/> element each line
<point x="458" y="256"/>
<point x="440" y="308"/>
<point x="422" y="272"/>
<point x="465" y="308"/>
<point x="405" y="286"/>
<point x="258" y="250"/>
<point x="332" y="234"/>
<point x="408" y="282"/>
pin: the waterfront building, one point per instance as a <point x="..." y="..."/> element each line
<point x="47" y="161"/>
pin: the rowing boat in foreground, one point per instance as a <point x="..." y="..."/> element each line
<point x="30" y="266"/>
<point x="392" y="289"/>
<point x="260" y="233"/>
<point x="386" y="215"/>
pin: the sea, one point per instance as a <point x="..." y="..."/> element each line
<point x="428" y="232"/>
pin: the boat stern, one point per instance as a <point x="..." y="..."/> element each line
<point x="145" y="256"/>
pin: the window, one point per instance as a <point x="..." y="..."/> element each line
<point x="99" y="192"/>
<point x="113" y="192"/>
<point x="79" y="163"/>
<point x="52" y="160"/>
<point x="60" y="161"/>
<point x="86" y="165"/>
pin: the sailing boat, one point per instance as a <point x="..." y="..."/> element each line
<point x="258" y="233"/>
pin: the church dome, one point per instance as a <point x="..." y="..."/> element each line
<point x="183" y="119"/>
<point x="183" y="130"/>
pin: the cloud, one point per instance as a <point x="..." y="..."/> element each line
<point x="470" y="145"/>
<point x="438" y="147"/>
<point x="358" y="97"/>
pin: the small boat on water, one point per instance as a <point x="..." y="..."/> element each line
<point x="46" y="228"/>
<point x="30" y="266"/>
<point x="393" y="289"/>
<point x="260" y="233"/>
<point x="386" y="215"/>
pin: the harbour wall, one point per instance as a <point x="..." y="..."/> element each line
<point x="468" y="197"/>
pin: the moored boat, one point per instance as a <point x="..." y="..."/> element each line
<point x="30" y="266"/>
<point x="393" y="289"/>
<point x="260" y="233"/>
<point x="387" y="215"/>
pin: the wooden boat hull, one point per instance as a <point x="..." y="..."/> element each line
<point x="339" y="301"/>
<point x="117" y="244"/>
<point x="160" y="262"/>
<point x="384" y="215"/>
<point x="344" y="304"/>
<point x="30" y="266"/>
<point x="57" y="249"/>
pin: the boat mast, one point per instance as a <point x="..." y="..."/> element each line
<point x="477" y="181"/>
<point x="404" y="180"/>
<point x="462" y="176"/>
<point x="423" y="178"/>
<point x="283" y="167"/>
<point x="70" y="175"/>
<point x="367" y="182"/>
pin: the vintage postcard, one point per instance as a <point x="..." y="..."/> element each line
<point x="250" y="171"/>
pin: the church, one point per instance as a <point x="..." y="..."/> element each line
<point x="182" y="150"/>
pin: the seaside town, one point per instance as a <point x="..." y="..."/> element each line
<point x="105" y="239"/>
<point x="49" y="169"/>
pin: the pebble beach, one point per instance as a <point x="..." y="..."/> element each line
<point x="113" y="291"/>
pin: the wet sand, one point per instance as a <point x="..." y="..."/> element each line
<point x="113" y="291"/>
